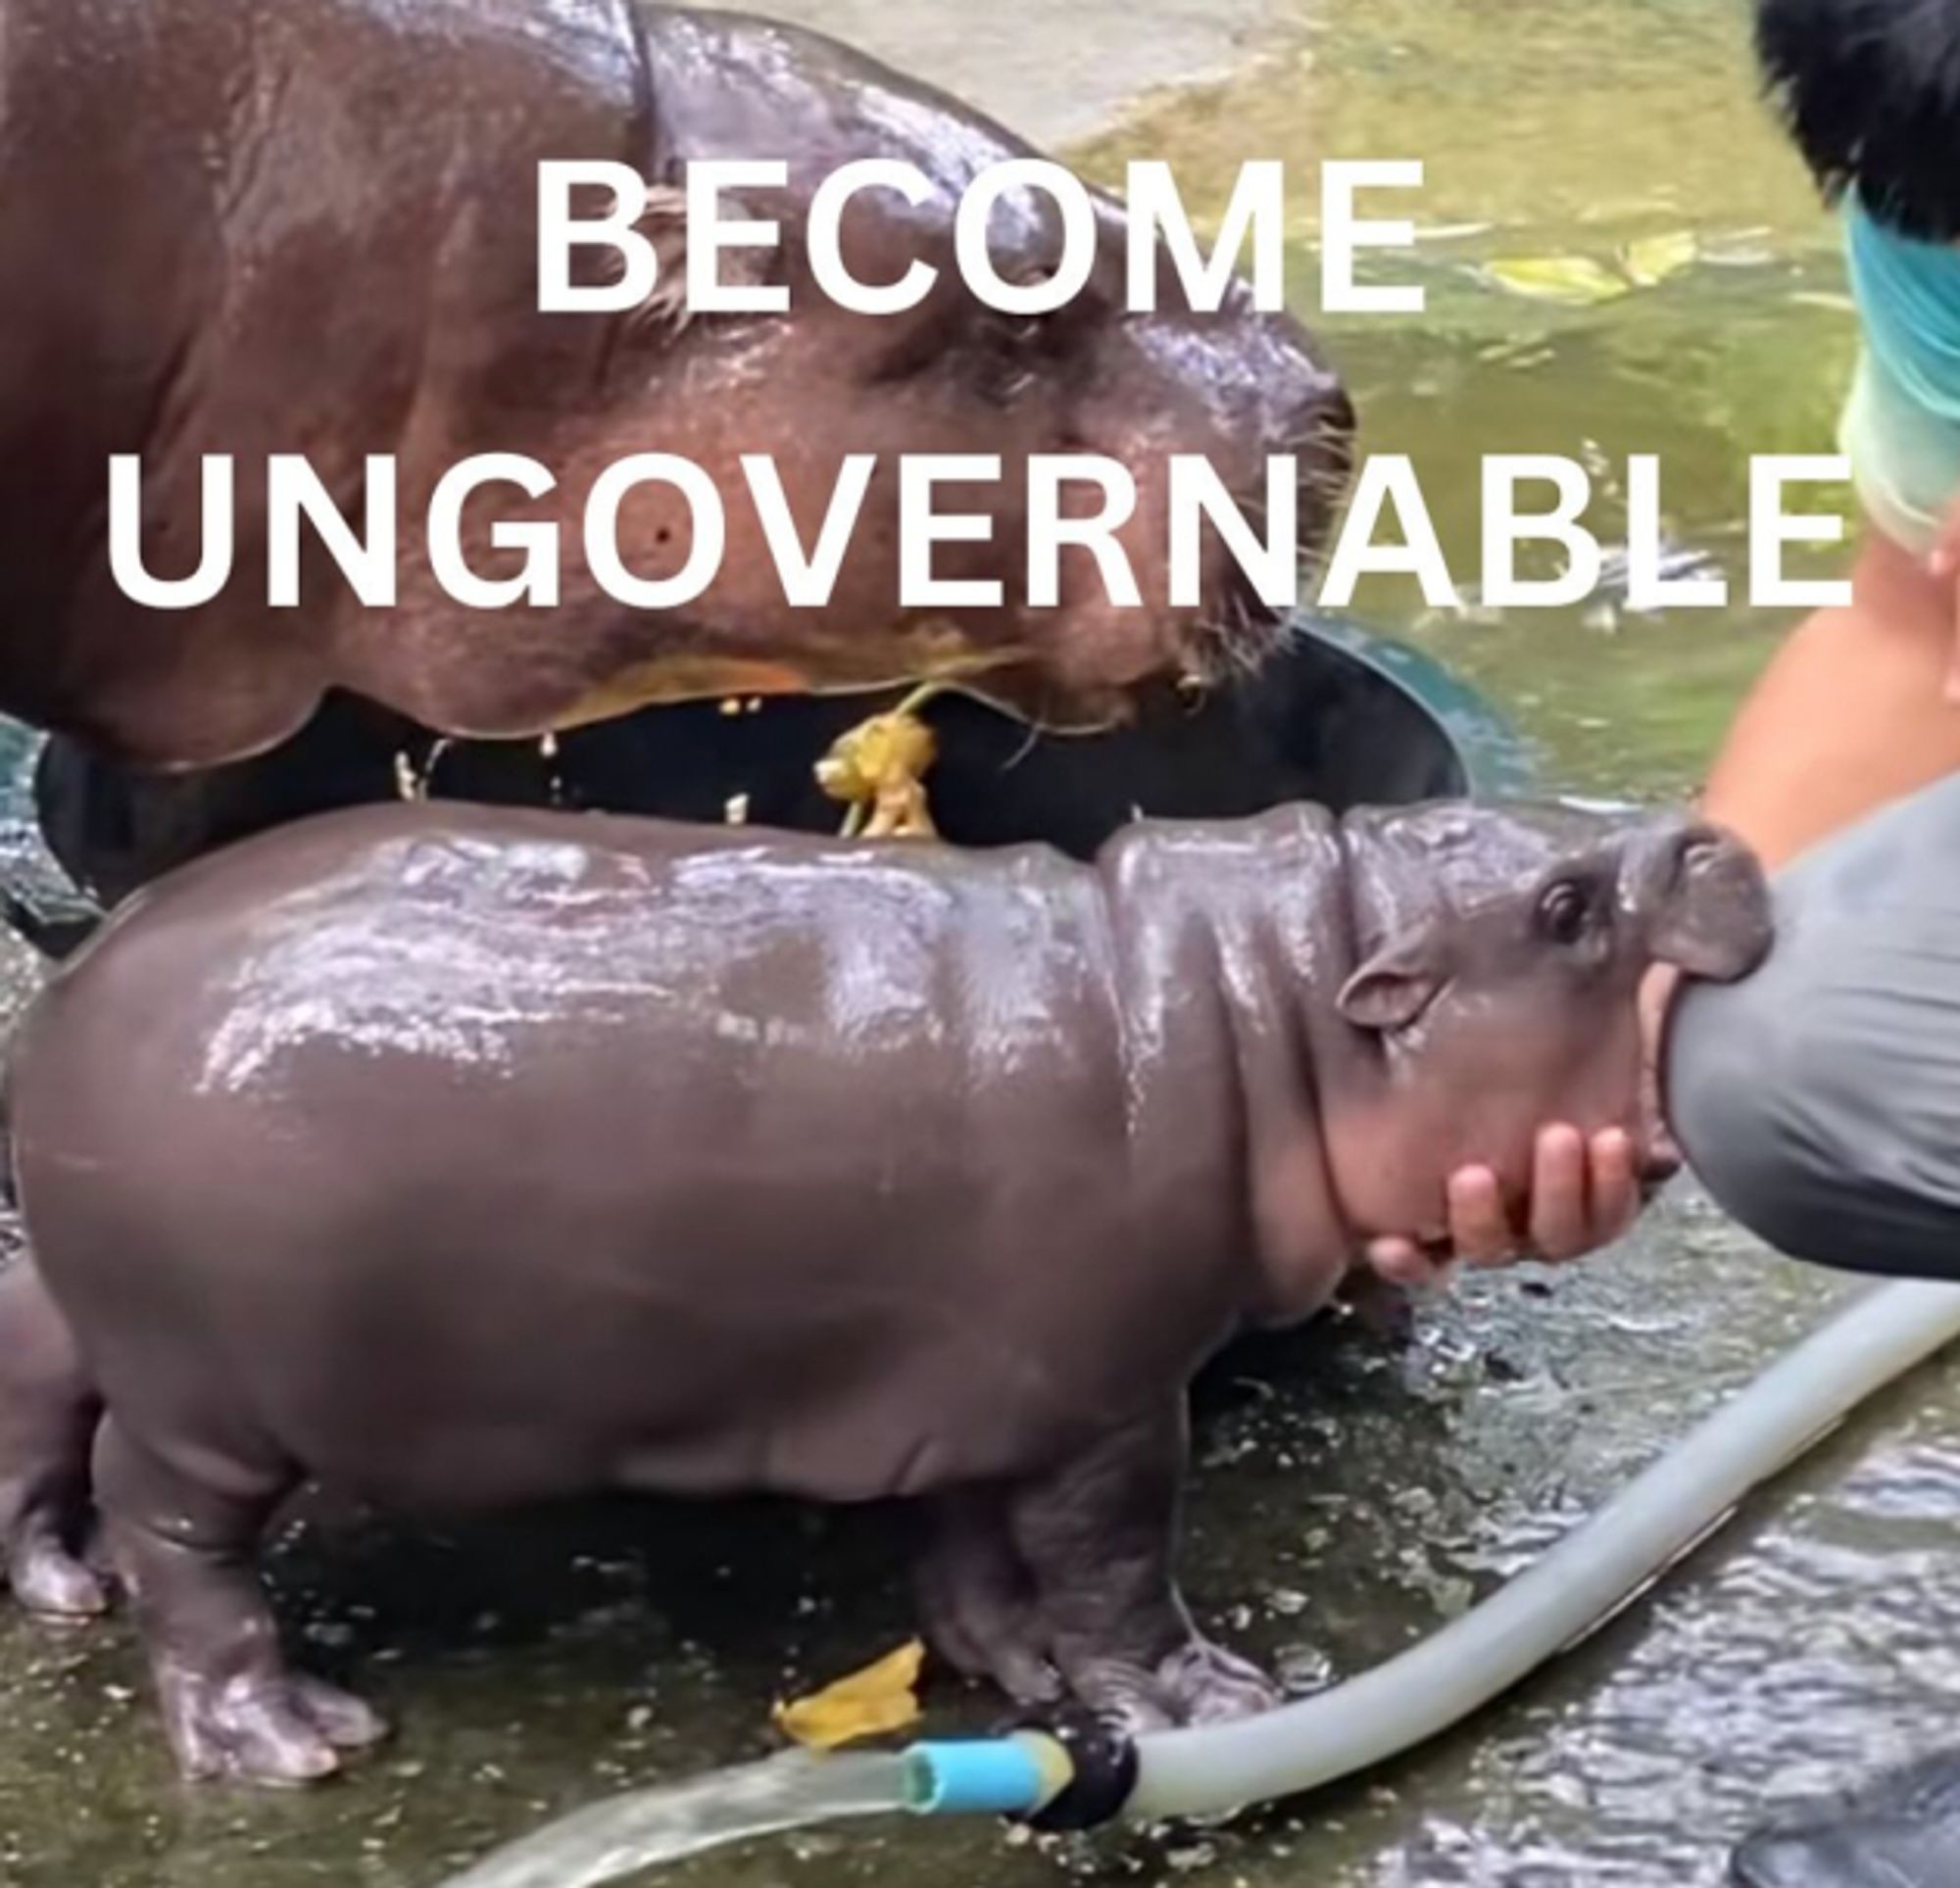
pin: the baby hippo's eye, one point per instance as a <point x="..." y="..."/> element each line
<point x="1563" y="912"/>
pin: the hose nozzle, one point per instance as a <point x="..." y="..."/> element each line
<point x="1072" y="1773"/>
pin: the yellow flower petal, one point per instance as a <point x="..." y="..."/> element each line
<point x="1576" y="280"/>
<point x="1653" y="258"/>
<point x="881" y="1698"/>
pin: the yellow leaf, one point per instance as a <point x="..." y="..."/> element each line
<point x="1653" y="258"/>
<point x="1577" y="280"/>
<point x="881" y="1698"/>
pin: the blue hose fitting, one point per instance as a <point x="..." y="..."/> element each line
<point x="1017" y="1775"/>
<point x="1068" y="1773"/>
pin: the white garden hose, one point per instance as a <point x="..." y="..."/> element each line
<point x="1214" y="1768"/>
<point x="1575" y="1587"/>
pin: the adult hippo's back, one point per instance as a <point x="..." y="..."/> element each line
<point x="235" y="229"/>
<point x="461" y="1155"/>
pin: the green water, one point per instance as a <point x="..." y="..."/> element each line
<point x="1573" y="128"/>
<point x="1352" y="1495"/>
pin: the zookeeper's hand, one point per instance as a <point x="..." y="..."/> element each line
<point x="1585" y="1192"/>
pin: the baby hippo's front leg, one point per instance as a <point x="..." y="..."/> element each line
<point x="1097" y="1537"/>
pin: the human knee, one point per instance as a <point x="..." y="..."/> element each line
<point x="1731" y="1072"/>
<point x="1810" y="1102"/>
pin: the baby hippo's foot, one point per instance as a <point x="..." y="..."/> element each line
<point x="977" y="1603"/>
<point x="1200" y="1684"/>
<point x="1003" y="1646"/>
<point x="1210" y="1685"/>
<point x="49" y="1580"/>
<point x="274" y="1728"/>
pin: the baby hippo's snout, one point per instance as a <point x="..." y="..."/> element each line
<point x="1704" y="900"/>
<point x="1709" y="909"/>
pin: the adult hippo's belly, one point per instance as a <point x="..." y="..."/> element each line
<point x="232" y="230"/>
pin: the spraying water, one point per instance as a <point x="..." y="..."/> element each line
<point x="635" y="1831"/>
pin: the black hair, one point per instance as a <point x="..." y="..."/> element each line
<point x="1870" y="90"/>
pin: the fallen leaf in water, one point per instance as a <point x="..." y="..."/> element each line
<point x="1653" y="258"/>
<point x="881" y="1698"/>
<point x="1576" y="280"/>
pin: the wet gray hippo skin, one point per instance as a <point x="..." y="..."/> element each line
<point x="311" y="229"/>
<point x="457" y="1156"/>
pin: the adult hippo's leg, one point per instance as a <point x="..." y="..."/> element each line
<point x="48" y="1415"/>
<point x="1837" y="1137"/>
<point x="187" y="1544"/>
<point x="1098" y="1537"/>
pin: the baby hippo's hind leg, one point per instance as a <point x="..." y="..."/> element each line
<point x="1099" y="1536"/>
<point x="48" y="1415"/>
<point x="186" y="1543"/>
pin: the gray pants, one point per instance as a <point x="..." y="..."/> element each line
<point x="1820" y="1101"/>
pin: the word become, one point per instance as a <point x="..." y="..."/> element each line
<point x="1268" y="552"/>
<point x="1157" y="224"/>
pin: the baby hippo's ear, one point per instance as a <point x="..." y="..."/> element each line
<point x="1393" y="987"/>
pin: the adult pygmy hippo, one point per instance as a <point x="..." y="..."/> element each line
<point x="456" y="1156"/>
<point x="312" y="228"/>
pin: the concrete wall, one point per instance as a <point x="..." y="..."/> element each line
<point x="1053" y="70"/>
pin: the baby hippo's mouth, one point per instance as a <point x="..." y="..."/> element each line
<point x="1660" y="1163"/>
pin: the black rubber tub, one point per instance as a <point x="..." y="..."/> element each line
<point x="1343" y="716"/>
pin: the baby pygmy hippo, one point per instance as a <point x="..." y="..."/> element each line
<point x="452" y="1156"/>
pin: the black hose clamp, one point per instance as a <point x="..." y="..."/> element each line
<point x="1102" y="1765"/>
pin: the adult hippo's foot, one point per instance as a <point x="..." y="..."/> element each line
<point x="1901" y="1832"/>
